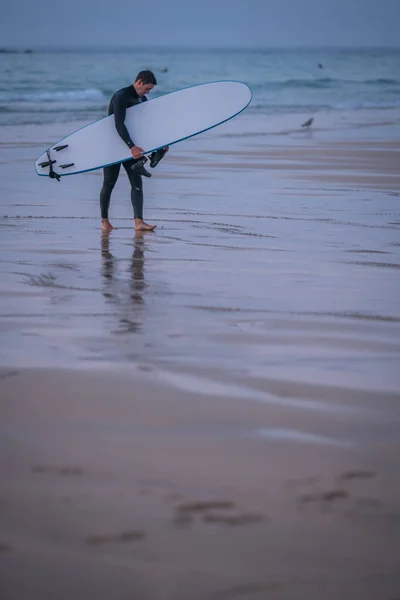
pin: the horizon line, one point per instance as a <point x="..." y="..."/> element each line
<point x="23" y="47"/>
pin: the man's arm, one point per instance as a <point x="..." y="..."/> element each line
<point x="119" y="106"/>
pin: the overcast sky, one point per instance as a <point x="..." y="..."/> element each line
<point x="230" y="23"/>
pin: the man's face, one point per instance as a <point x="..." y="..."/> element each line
<point x="142" y="88"/>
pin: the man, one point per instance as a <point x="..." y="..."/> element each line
<point x="123" y="99"/>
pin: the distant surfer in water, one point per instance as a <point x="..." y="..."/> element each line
<point x="123" y="99"/>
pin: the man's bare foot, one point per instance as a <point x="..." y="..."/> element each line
<point x="106" y="225"/>
<point x="140" y="225"/>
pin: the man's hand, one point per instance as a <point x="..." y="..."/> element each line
<point x="136" y="152"/>
<point x="166" y="148"/>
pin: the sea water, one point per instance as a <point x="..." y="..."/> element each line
<point x="54" y="85"/>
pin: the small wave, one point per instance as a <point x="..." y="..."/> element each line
<point x="37" y="109"/>
<point x="313" y="83"/>
<point x="55" y="96"/>
<point x="366" y="104"/>
<point x="294" y="83"/>
<point x="324" y="82"/>
<point x="382" y="81"/>
<point x="304" y="107"/>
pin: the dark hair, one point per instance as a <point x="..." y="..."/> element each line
<point x="146" y="77"/>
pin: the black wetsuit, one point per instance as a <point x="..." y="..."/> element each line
<point x="123" y="99"/>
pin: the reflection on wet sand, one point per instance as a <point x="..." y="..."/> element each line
<point x="107" y="263"/>
<point x="138" y="283"/>
<point x="113" y="293"/>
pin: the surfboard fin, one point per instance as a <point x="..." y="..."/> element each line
<point x="66" y="166"/>
<point x="58" y="148"/>
<point x="47" y="163"/>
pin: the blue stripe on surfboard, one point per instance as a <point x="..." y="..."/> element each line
<point x="154" y="149"/>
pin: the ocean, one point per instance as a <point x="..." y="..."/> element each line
<point x="69" y="85"/>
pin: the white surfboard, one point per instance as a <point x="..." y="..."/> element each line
<point x="160" y="122"/>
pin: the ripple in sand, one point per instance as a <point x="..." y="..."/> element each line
<point x="300" y="436"/>
<point x="8" y="374"/>
<point x="64" y="471"/>
<point x="233" y="520"/>
<point x="122" y="537"/>
<point x="204" y="506"/>
<point x="372" y="264"/>
<point x="245" y="589"/>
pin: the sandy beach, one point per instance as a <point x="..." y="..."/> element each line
<point x="210" y="411"/>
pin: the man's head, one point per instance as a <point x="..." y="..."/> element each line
<point x="144" y="82"/>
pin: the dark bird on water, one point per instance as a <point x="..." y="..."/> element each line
<point x="308" y="123"/>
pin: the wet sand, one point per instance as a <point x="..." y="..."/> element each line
<point x="209" y="411"/>
<point x="117" y="485"/>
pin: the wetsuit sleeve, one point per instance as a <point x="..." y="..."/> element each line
<point x="119" y="119"/>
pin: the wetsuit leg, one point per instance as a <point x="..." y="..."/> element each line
<point x="136" y="189"/>
<point x="110" y="178"/>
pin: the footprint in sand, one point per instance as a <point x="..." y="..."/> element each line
<point x="216" y="512"/>
<point x="324" y="499"/>
<point x="186" y="512"/>
<point x="123" y="537"/>
<point x="351" y="507"/>
<point x="328" y="499"/>
<point x="352" y="475"/>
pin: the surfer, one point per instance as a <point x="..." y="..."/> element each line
<point x="121" y="100"/>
